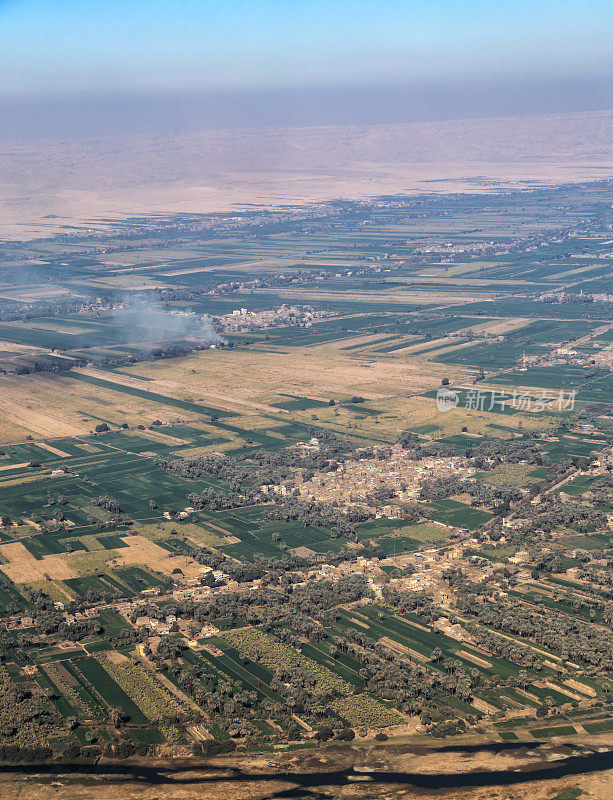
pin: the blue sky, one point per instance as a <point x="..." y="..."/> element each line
<point x="67" y="47"/>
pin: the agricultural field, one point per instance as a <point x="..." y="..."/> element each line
<point x="238" y="513"/>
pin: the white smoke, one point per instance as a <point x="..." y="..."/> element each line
<point x="148" y="320"/>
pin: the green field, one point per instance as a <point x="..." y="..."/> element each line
<point x="112" y="694"/>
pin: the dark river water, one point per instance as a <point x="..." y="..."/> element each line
<point x="307" y="783"/>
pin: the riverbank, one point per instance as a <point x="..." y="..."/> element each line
<point x="533" y="771"/>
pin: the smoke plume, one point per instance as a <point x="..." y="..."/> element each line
<point x="148" y="320"/>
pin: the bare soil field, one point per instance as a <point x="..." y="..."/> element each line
<point x="240" y="375"/>
<point x="70" y="407"/>
<point x="21" y="412"/>
<point x="143" y="551"/>
<point x="180" y="389"/>
<point x="56" y="451"/>
<point x="480" y="662"/>
<point x="14" y="466"/>
<point x="22" y="567"/>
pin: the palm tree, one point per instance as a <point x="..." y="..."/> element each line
<point x="116" y="717"/>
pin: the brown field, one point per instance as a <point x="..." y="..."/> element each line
<point x="50" y="449"/>
<point x="159" y="436"/>
<point x="309" y="295"/>
<point x="480" y="662"/>
<point x="401" y="648"/>
<point x="143" y="551"/>
<point x="563" y="689"/>
<point x="247" y="382"/>
<point x="582" y="687"/>
<point x="22" y="567"/>
<point x="14" y="466"/>
<point x="23" y="397"/>
<point x="178" y="388"/>
<point x="482" y="705"/>
<point x="20" y="410"/>
<point x="240" y="375"/>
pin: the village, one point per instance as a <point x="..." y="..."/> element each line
<point x="242" y="320"/>
<point x="366" y="484"/>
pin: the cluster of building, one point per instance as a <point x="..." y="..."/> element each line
<point x="362" y="483"/>
<point x="241" y="320"/>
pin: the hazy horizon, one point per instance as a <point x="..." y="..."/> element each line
<point x="168" y="113"/>
<point x="79" y="69"/>
<point x="111" y="108"/>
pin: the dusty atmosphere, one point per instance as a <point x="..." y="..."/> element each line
<point x="43" y="187"/>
